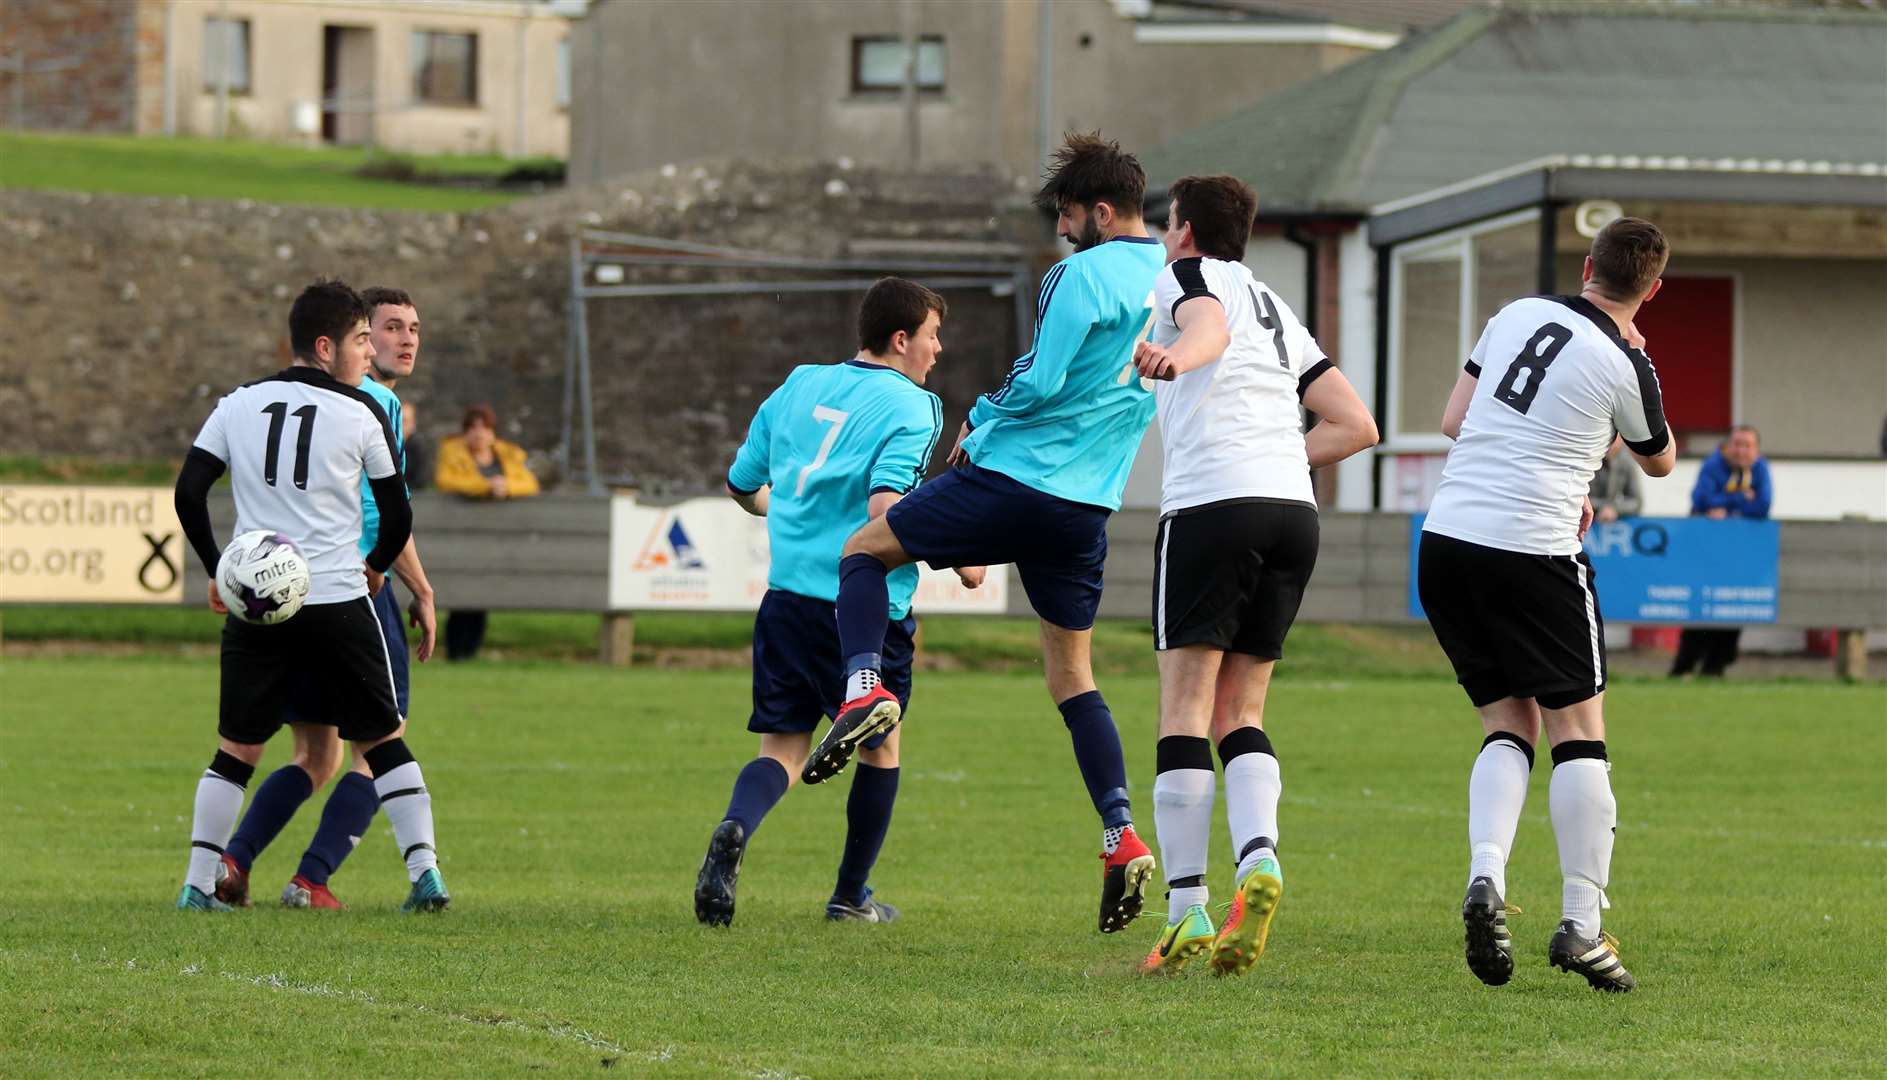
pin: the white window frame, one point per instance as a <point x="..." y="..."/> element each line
<point x="1461" y="242"/>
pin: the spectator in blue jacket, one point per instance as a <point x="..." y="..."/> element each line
<point x="1734" y="482"/>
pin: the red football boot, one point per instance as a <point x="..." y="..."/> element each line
<point x="859" y="719"/>
<point x="1124" y="877"/>
<point x="232" y="883"/>
<point x="302" y="893"/>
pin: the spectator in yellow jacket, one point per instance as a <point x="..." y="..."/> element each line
<point x="478" y="464"/>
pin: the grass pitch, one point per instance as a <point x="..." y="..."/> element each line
<point x="574" y="803"/>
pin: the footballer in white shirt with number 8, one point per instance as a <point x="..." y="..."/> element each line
<point x="1509" y="591"/>
<point x="1237" y="542"/>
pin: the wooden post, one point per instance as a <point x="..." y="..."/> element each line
<point x="617" y="642"/>
<point x="1851" y="655"/>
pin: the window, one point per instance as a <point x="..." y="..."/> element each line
<point x="445" y="68"/>
<point x="563" y="74"/>
<point x="878" y="64"/>
<point x="1443" y="291"/>
<point x="226" y="54"/>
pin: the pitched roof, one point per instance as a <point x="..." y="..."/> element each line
<point x="1388" y="14"/>
<point x="1497" y="86"/>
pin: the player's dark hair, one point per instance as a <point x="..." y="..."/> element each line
<point x="1220" y="210"/>
<point x="1627" y="256"/>
<point x="380" y="294"/>
<point x="1088" y="169"/>
<point x="1740" y="428"/>
<point x="893" y="304"/>
<point x="479" y="414"/>
<point x="326" y="309"/>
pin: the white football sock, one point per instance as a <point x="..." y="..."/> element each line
<point x="1182" y="820"/>
<point x="1252" y="788"/>
<point x="862" y="682"/>
<point x="1497" y="793"/>
<point x="408" y="806"/>
<point x="219" y="802"/>
<point x="1178" y="900"/>
<point x="1584" y="815"/>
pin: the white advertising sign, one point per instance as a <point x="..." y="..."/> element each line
<point x="710" y="555"/>
<point x="89" y="545"/>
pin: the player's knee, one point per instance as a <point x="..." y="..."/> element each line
<point x="321" y="760"/>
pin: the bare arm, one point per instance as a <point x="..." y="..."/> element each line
<point x="420" y="612"/>
<point x="1202" y="339"/>
<point x="1660" y="463"/>
<point x="1457" y="410"/>
<point x="754" y="502"/>
<point x="1345" y="427"/>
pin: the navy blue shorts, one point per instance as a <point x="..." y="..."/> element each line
<point x="308" y="703"/>
<point x="798" y="675"/>
<point x="975" y="517"/>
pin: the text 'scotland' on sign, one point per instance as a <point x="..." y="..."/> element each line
<point x="89" y="545"/>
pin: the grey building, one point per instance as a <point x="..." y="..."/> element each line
<point x="996" y="81"/>
<point x="1434" y="181"/>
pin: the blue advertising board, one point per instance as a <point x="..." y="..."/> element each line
<point x="1672" y="570"/>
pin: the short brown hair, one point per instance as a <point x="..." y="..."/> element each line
<point x="1627" y="256"/>
<point x="893" y="304"/>
<point x="380" y="294"/>
<point x="1220" y="210"/>
<point x="327" y="309"/>
<point x="1089" y="169"/>
<point x="479" y="412"/>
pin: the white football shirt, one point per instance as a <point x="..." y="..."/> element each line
<point x="296" y="444"/>
<point x="1554" y="382"/>
<point x="1232" y="429"/>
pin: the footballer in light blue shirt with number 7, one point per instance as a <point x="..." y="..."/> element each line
<point x="1041" y="464"/>
<point x="834" y="447"/>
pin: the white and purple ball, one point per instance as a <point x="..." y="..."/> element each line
<point x="262" y="577"/>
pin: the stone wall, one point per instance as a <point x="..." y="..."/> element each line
<point x="102" y="50"/>
<point x="127" y="317"/>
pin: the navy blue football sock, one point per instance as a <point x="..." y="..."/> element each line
<point x="864" y="607"/>
<point x="867" y="817"/>
<point x="1097" y="752"/>
<point x="757" y="789"/>
<point x="276" y="801"/>
<point x="344" y="820"/>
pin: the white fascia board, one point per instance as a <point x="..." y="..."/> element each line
<point x="1263" y="34"/>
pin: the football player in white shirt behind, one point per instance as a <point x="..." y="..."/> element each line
<point x="1237" y="542"/>
<point x="1509" y="591"/>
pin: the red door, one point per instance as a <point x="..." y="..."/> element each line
<point x="1690" y="335"/>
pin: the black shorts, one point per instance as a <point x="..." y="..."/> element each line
<point x="1231" y="575"/>
<point x="341" y="646"/>
<point x="1514" y="624"/>
<point x="798" y="676"/>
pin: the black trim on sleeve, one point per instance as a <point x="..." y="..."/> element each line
<point x="1316" y="372"/>
<point x="888" y="489"/>
<point x="1652" y="395"/>
<point x="396" y="521"/>
<point x="192" y="500"/>
<point x="737" y="489"/>
<point x="1192" y="282"/>
<point x="1473" y="369"/>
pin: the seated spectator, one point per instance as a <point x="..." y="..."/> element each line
<point x="1734" y="482"/>
<point x="479" y="465"/>
<point x="418" y="452"/>
<point x="1614" y="489"/>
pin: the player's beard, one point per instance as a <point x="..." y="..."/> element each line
<point x="1090" y="236"/>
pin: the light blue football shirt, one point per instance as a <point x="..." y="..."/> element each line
<point x="826" y="440"/>
<point x="389" y="403"/>
<point x="1069" y="417"/>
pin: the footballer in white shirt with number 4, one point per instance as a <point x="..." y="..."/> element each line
<point x="1233" y="368"/>
<point x="1509" y="591"/>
